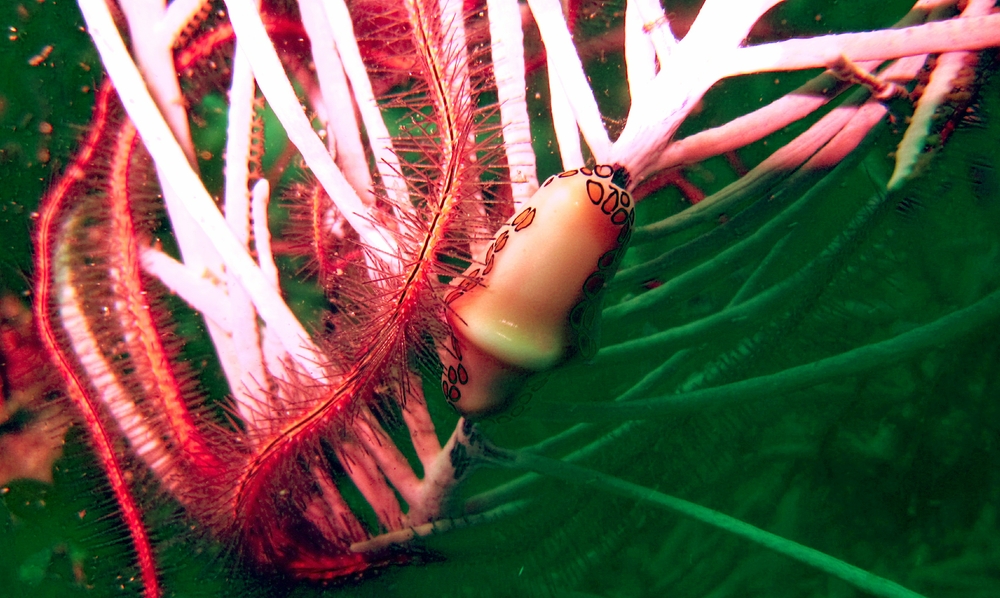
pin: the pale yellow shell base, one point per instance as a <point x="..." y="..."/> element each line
<point x="510" y="312"/>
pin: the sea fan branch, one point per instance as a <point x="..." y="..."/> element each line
<point x="344" y="140"/>
<point x="942" y="81"/>
<point x="279" y="92"/>
<point x="379" y="140"/>
<point x="567" y="472"/>
<point x="248" y="381"/>
<point x="959" y="323"/>
<point x="508" y="70"/>
<point x="570" y="77"/>
<point x="169" y="158"/>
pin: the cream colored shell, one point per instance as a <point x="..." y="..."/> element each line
<point x="510" y="312"/>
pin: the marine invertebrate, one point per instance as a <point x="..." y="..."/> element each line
<point x="533" y="299"/>
<point x="310" y="420"/>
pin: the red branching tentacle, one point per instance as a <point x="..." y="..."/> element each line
<point x="87" y="178"/>
<point x="319" y="233"/>
<point x="256" y="158"/>
<point x="260" y="514"/>
<point x="101" y="437"/>
<point x="279" y="483"/>
<point x="386" y="311"/>
<point x="148" y="357"/>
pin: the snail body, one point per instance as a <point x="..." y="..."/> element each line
<point x="533" y="299"/>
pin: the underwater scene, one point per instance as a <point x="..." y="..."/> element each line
<point x="498" y="298"/>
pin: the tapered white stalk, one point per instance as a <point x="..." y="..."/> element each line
<point x="508" y="70"/>
<point x="281" y="96"/>
<point x="419" y="424"/>
<point x="203" y="294"/>
<point x="248" y="389"/>
<point x="389" y="459"/>
<point x="655" y="24"/>
<point x="974" y="33"/>
<point x="364" y="472"/>
<point x="153" y="42"/>
<point x="171" y="160"/>
<point x="640" y="55"/>
<point x="724" y="24"/>
<point x="276" y="357"/>
<point x="746" y="129"/>
<point x="561" y="52"/>
<point x="386" y="163"/>
<point x="775" y="116"/>
<point x="259" y="200"/>
<point x="441" y="475"/>
<point x="567" y="133"/>
<point x="335" y="520"/>
<point x="344" y="135"/>
<point x="154" y="53"/>
<point x="693" y="66"/>
<point x="868" y="115"/>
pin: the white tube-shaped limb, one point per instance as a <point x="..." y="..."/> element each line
<point x="344" y="134"/>
<point x="249" y="390"/>
<point x="508" y="69"/>
<point x="280" y="94"/>
<point x="640" y="55"/>
<point x="386" y="163"/>
<point x="560" y="51"/>
<point x="172" y="163"/>
<point x="567" y="133"/>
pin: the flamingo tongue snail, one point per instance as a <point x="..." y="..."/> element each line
<point x="533" y="299"/>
